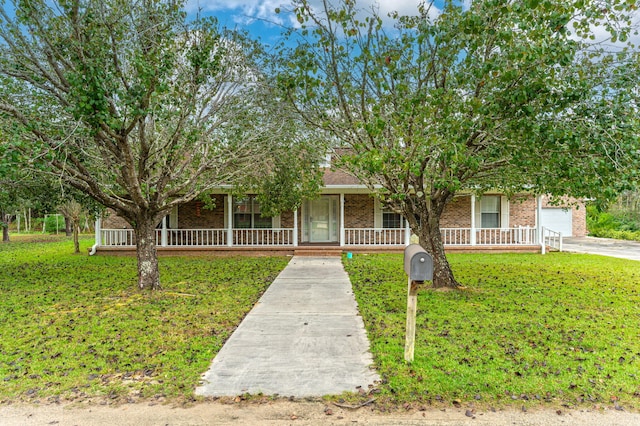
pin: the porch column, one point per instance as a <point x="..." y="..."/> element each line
<point x="98" y="231"/>
<point x="473" y="220"/>
<point x="407" y="233"/>
<point x="342" y="220"/>
<point x="163" y="233"/>
<point x="295" y="228"/>
<point x="230" y="220"/>
<point x="539" y="229"/>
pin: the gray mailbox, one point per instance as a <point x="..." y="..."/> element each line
<point x="418" y="264"/>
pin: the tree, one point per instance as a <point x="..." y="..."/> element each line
<point x="72" y="211"/>
<point x="135" y="106"/>
<point x="7" y="193"/>
<point x="496" y="94"/>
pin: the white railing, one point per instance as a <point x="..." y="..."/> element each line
<point x="194" y="237"/>
<point x="507" y="236"/>
<point x="456" y="236"/>
<point x="353" y="236"/>
<point x="552" y="238"/>
<point x="263" y="237"/>
<point x="489" y="236"/>
<point x="117" y="237"/>
<point x="374" y="236"/>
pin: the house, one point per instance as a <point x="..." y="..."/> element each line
<point x="346" y="218"/>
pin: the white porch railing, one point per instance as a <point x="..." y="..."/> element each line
<point x="203" y="237"/>
<point x="552" y="238"/>
<point x="194" y="237"/>
<point x="263" y="237"/>
<point x="374" y="236"/>
<point x="353" y="237"/>
<point x="117" y="237"/>
<point x="456" y="236"/>
<point x="489" y="236"/>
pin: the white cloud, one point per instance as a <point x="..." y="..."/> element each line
<point x="244" y="11"/>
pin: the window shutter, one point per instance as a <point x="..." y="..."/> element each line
<point x="173" y="218"/>
<point x="275" y="221"/>
<point x="504" y="212"/>
<point x="478" y="212"/>
<point x="377" y="214"/>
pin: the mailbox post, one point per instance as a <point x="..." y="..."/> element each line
<point x="418" y="265"/>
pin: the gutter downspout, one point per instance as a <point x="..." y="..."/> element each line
<point x="98" y="230"/>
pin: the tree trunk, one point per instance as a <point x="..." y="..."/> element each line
<point x="68" y="225"/>
<point x="76" y="239"/>
<point x="148" y="273"/>
<point x="431" y="241"/>
<point x="4" y="224"/>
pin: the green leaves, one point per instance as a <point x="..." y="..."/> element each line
<point x="135" y="105"/>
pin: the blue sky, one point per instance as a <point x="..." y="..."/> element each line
<point x="259" y="17"/>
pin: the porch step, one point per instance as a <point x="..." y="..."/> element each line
<point x="318" y="252"/>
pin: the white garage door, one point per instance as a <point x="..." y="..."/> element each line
<point x="558" y="220"/>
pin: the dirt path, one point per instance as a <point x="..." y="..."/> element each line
<point x="284" y="412"/>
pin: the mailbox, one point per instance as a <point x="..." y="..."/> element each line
<point x="418" y="264"/>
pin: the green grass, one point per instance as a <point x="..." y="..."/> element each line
<point x="527" y="329"/>
<point x="75" y="327"/>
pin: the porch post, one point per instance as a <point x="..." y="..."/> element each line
<point x="98" y="231"/>
<point x="473" y="220"/>
<point x="341" y="219"/>
<point x="295" y="228"/>
<point x="407" y="233"/>
<point x="539" y="228"/>
<point x="163" y="233"/>
<point x="230" y="220"/>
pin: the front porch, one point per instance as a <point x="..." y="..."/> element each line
<point x="355" y="240"/>
<point x="344" y="222"/>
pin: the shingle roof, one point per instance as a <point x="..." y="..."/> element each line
<point x="339" y="177"/>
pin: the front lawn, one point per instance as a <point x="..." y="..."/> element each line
<point x="74" y="326"/>
<point x="527" y="329"/>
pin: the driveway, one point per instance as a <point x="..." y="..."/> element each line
<point x="603" y="246"/>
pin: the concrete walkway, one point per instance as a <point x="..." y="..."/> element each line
<point x="603" y="246"/>
<point x="303" y="338"/>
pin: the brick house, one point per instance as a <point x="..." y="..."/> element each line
<point x="345" y="217"/>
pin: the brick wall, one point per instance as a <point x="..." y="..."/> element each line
<point x="522" y="211"/>
<point x="457" y="214"/>
<point x="286" y="219"/>
<point x="194" y="215"/>
<point x="113" y="221"/>
<point x="579" y="224"/>
<point x="358" y="211"/>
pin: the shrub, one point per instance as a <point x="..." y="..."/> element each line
<point x="612" y="224"/>
<point x="54" y="223"/>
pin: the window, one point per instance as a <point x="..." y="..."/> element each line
<point x="490" y="211"/>
<point x="246" y="214"/>
<point x="391" y="219"/>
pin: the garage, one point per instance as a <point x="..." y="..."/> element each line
<point x="559" y="220"/>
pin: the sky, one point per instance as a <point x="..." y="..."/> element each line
<point x="260" y="19"/>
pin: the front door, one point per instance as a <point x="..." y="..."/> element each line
<point x="323" y="220"/>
